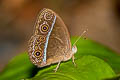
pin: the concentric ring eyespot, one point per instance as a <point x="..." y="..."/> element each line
<point x="44" y="28"/>
<point x="36" y="47"/>
<point x="38" y="53"/>
<point x="48" y="15"/>
<point x="42" y="38"/>
<point x="39" y="39"/>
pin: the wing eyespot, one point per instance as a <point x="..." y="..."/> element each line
<point x="36" y="47"/>
<point x="42" y="39"/>
<point x="38" y="53"/>
<point x="48" y="15"/>
<point x="44" y="28"/>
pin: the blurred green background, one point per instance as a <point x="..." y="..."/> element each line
<point x="17" y="18"/>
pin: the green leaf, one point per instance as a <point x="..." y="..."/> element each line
<point x="88" y="68"/>
<point x="20" y="67"/>
<point x="89" y="47"/>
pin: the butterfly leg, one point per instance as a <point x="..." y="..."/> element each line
<point x="73" y="60"/>
<point x="57" y="66"/>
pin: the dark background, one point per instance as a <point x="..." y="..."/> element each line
<point x="17" y="18"/>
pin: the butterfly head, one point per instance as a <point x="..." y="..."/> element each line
<point x="74" y="49"/>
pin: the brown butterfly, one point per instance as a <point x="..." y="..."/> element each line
<point x="50" y="42"/>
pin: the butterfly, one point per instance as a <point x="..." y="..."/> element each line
<point x="50" y="42"/>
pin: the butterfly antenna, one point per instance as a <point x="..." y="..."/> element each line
<point x="80" y="37"/>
